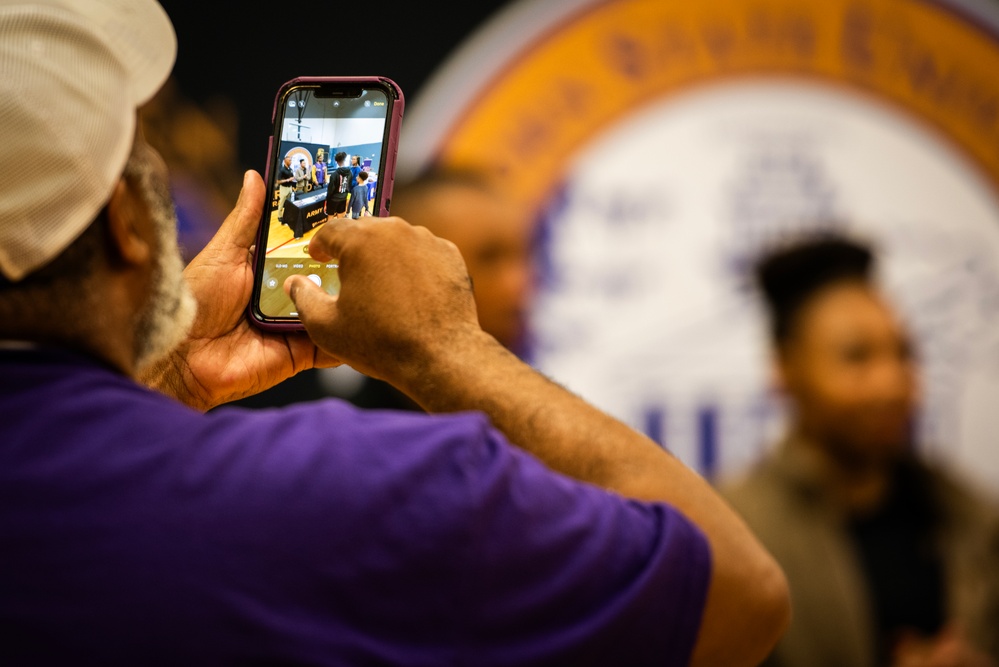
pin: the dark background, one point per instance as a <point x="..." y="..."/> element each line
<point x="242" y="52"/>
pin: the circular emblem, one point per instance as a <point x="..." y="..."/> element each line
<point x="661" y="145"/>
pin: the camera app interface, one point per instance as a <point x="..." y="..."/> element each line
<point x="327" y="164"/>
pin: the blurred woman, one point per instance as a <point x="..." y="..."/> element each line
<point x="891" y="560"/>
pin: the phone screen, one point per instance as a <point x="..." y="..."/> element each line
<point x="328" y="160"/>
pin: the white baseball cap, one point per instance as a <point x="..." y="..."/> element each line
<point x="72" y="74"/>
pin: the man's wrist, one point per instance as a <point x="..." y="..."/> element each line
<point x="445" y="378"/>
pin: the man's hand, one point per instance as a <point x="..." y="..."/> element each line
<point x="405" y="298"/>
<point x="225" y="357"/>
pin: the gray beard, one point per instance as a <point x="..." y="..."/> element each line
<point x="166" y="319"/>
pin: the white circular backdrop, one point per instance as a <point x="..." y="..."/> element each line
<point x="645" y="309"/>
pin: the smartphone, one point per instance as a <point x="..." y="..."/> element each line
<point x="327" y="130"/>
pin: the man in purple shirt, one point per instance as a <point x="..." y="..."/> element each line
<point x="513" y="525"/>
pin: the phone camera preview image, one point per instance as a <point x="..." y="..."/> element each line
<point x="325" y="143"/>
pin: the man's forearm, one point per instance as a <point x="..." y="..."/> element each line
<point x="541" y="417"/>
<point x="560" y="428"/>
<point x="747" y="605"/>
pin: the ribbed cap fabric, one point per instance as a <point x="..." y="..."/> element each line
<point x="72" y="74"/>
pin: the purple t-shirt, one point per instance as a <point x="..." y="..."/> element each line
<point x="136" y="531"/>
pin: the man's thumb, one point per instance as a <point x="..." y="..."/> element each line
<point x="240" y="226"/>
<point x="312" y="303"/>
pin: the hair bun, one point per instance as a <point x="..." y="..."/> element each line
<point x="790" y="274"/>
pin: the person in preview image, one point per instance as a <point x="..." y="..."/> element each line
<point x="302" y="174"/>
<point x="892" y="560"/>
<point x="359" y="196"/>
<point x="286" y="182"/>
<point x="319" y="170"/>
<point x="338" y="190"/>
<point x="515" y="525"/>
<point x="356" y="165"/>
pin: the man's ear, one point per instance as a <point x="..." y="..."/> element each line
<point x="128" y="226"/>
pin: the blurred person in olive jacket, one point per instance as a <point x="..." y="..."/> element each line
<point x="891" y="560"/>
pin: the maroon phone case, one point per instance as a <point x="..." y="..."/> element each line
<point x="386" y="178"/>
